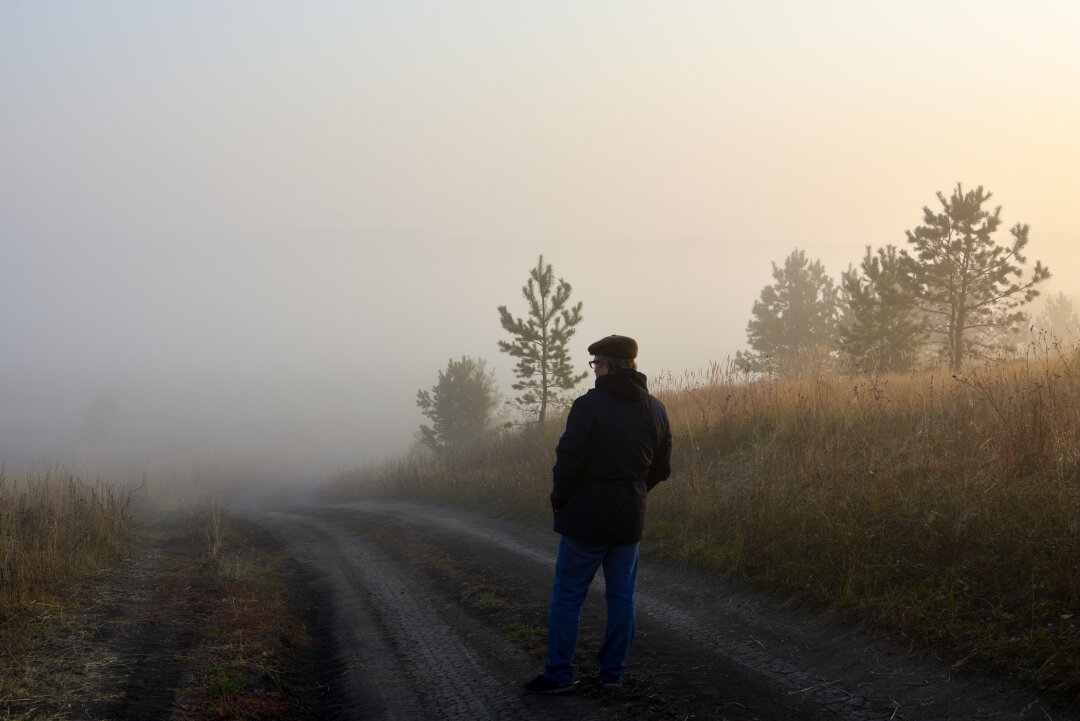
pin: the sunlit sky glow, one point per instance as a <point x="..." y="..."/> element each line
<point x="274" y="222"/>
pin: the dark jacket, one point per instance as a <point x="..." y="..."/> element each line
<point x="616" y="447"/>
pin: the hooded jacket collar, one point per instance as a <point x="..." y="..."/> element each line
<point x="628" y="385"/>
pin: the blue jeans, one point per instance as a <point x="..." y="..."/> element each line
<point x="574" y="571"/>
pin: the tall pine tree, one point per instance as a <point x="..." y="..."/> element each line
<point x="969" y="286"/>
<point x="880" y="330"/>
<point x="540" y="341"/>
<point x="794" y="316"/>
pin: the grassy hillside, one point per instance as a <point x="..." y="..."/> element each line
<point x="944" y="506"/>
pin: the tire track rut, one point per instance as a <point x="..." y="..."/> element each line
<point x="403" y="655"/>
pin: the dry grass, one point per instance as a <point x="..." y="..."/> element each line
<point x="54" y="528"/>
<point x="946" y="506"/>
<point x="209" y="518"/>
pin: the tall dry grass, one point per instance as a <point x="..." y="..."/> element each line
<point x="945" y="506"/>
<point x="54" y="527"/>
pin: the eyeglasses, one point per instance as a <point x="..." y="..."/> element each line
<point x="594" y="363"/>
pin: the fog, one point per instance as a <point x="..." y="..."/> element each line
<point x="253" y="232"/>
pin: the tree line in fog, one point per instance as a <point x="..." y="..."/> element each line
<point x="956" y="292"/>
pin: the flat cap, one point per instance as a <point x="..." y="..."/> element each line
<point x="615" y="346"/>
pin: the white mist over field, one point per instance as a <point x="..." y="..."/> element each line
<point x="253" y="231"/>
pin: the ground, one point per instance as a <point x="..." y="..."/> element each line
<point x="393" y="610"/>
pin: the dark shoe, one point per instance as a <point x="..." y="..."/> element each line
<point x="544" y="685"/>
<point x="611" y="685"/>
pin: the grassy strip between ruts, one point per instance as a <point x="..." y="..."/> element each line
<point x="179" y="627"/>
<point x="246" y="666"/>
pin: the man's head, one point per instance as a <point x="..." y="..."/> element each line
<point x="613" y="353"/>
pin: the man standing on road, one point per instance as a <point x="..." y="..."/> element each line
<point x="615" y="449"/>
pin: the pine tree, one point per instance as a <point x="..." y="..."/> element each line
<point x="969" y="286"/>
<point x="880" y="330"/>
<point x="461" y="406"/>
<point x="540" y="341"/>
<point x="795" y="315"/>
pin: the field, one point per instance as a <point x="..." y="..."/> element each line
<point x="945" y="507"/>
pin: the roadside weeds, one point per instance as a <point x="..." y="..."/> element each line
<point x="167" y="629"/>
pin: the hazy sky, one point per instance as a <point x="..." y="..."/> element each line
<point x="266" y="225"/>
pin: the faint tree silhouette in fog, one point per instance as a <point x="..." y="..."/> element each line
<point x="461" y="406"/>
<point x="1059" y="318"/>
<point x="540" y="341"/>
<point x="793" y="317"/>
<point x="880" y="329"/>
<point x="969" y="286"/>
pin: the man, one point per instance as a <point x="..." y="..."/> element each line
<point x="615" y="449"/>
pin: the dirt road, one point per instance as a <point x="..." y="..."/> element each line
<point x="439" y="614"/>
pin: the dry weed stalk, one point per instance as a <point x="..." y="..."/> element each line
<point x="209" y="517"/>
